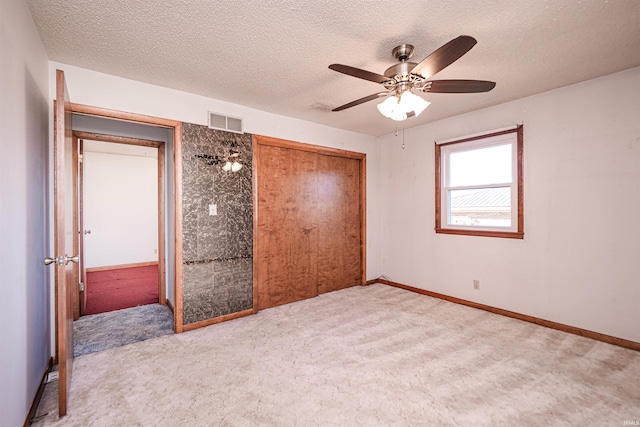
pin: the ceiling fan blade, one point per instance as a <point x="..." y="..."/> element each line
<point x="459" y="86"/>
<point x="444" y="56"/>
<point x="359" y="73"/>
<point x="361" y="101"/>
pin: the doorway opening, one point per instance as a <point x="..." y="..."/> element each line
<point x="120" y="192"/>
<point x="120" y="222"/>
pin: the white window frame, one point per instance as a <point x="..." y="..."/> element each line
<point x="512" y="137"/>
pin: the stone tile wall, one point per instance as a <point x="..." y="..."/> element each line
<point x="217" y="250"/>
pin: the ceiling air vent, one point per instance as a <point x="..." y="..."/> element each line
<point x="231" y="124"/>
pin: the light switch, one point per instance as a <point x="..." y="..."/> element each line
<point x="213" y="210"/>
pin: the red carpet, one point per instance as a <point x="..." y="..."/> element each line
<point x="110" y="290"/>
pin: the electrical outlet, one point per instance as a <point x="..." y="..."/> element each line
<point x="476" y="284"/>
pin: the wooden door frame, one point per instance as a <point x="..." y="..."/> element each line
<point x="160" y="145"/>
<point x="327" y="151"/>
<point x="176" y="126"/>
<point x="63" y="275"/>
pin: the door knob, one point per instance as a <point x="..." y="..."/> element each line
<point x="48" y="260"/>
<point x="63" y="260"/>
<point x="68" y="259"/>
<point x="87" y="231"/>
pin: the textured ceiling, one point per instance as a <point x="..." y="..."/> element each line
<point x="273" y="55"/>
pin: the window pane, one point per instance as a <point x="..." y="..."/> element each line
<point x="485" y="207"/>
<point x="482" y="166"/>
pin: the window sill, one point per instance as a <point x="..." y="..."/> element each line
<point x="483" y="233"/>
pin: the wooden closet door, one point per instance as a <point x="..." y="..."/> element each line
<point x="339" y="249"/>
<point x="287" y="262"/>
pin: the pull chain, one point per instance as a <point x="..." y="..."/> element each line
<point x="403" y="135"/>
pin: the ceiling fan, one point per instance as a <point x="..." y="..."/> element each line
<point x="400" y="79"/>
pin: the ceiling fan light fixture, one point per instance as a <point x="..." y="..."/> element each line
<point x="398" y="110"/>
<point x="392" y="109"/>
<point x="412" y="102"/>
<point x="387" y="106"/>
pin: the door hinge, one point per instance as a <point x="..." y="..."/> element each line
<point x="81" y="286"/>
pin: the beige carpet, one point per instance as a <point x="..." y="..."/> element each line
<point x="365" y="356"/>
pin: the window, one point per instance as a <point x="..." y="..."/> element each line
<point x="479" y="185"/>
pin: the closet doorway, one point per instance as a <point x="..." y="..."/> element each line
<point x="310" y="221"/>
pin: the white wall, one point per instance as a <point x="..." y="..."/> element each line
<point x="120" y="204"/>
<point x="24" y="285"/>
<point x="106" y="91"/>
<point x="578" y="263"/>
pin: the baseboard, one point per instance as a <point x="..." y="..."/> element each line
<point x="371" y="282"/>
<point x="36" y="399"/>
<point x="170" y="305"/>
<point x="542" y="322"/>
<point x="121" y="266"/>
<point x="203" y="323"/>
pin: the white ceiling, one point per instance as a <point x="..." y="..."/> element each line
<point x="273" y="55"/>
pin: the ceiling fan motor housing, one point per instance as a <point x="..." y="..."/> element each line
<point x="399" y="69"/>
<point x="400" y="74"/>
